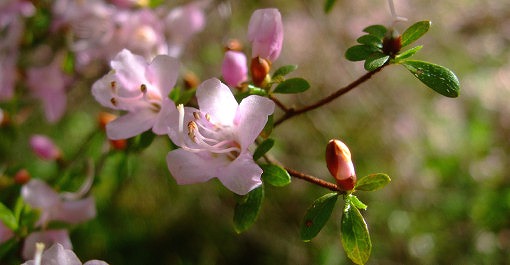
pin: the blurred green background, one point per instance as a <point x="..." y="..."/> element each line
<point x="449" y="199"/>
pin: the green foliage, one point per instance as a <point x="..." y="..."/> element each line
<point x="408" y="53"/>
<point x="8" y="218"/>
<point x="359" y="52"/>
<point x="247" y="209"/>
<point x="275" y="175"/>
<point x="284" y="70"/>
<point x="437" y="77"/>
<point x="142" y="141"/>
<point x="263" y="147"/>
<point x="328" y="5"/>
<point x="375" y="60"/>
<point x="292" y="85"/>
<point x="414" y="32"/>
<point x="378" y="31"/>
<point x="317" y="215"/>
<point x="372" y="182"/>
<point x="356" y="202"/>
<point x="355" y="236"/>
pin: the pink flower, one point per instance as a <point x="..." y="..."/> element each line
<point x="44" y="147"/>
<point x="54" y="207"/>
<point x="234" y="68"/>
<point x="265" y="32"/>
<point x="216" y="140"/>
<point x="141" y="89"/>
<point x="182" y="23"/>
<point x="48" y="237"/>
<point x="52" y="91"/>
<point x="58" y="254"/>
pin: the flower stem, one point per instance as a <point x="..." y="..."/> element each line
<point x="312" y="179"/>
<point x="291" y="112"/>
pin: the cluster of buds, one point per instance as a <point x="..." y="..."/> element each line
<point x="338" y="160"/>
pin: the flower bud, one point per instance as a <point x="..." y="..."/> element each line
<point x="44" y="147"/>
<point x="259" y="68"/>
<point x="265" y="32"/>
<point x="234" y="68"/>
<point x="392" y="43"/>
<point x="104" y="118"/>
<point x="338" y="160"/>
<point x="22" y="177"/>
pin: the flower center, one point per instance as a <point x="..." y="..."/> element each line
<point x="147" y="98"/>
<point x="208" y="136"/>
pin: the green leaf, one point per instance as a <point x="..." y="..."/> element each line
<point x="376" y="30"/>
<point x="414" y="32"/>
<point x="317" y="215"/>
<point x="253" y="90"/>
<point x="247" y="210"/>
<point x="142" y="141"/>
<point x="5" y="247"/>
<point x="355" y="236"/>
<point x="285" y="70"/>
<point x="328" y="5"/>
<point x="359" y="52"/>
<point x="8" y="218"/>
<point x="275" y="175"/>
<point x="370" y="40"/>
<point x="372" y="182"/>
<point x="268" y="128"/>
<point x="292" y="85"/>
<point x="356" y="202"/>
<point x="408" y="53"/>
<point x="263" y="147"/>
<point x="375" y="61"/>
<point x="437" y="77"/>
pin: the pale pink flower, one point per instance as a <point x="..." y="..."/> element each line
<point x="56" y="207"/>
<point x="182" y="23"/>
<point x="58" y="254"/>
<point x="234" y="68"/>
<point x="215" y="142"/>
<point x="48" y="237"/>
<point x="265" y="32"/>
<point x="44" y="147"/>
<point x="141" y="89"/>
<point x="49" y="84"/>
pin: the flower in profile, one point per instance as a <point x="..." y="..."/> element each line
<point x="214" y="139"/>
<point x="265" y="32"/>
<point x="44" y="147"/>
<point x="141" y="89"/>
<point x="57" y="254"/>
<point x="338" y="160"/>
<point x="234" y="68"/>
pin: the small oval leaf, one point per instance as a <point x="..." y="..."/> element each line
<point x="275" y="175"/>
<point x="285" y="70"/>
<point x="376" y="30"/>
<point x="356" y="202"/>
<point x="359" y="52"/>
<point x="317" y="215"/>
<point x="408" y="53"/>
<point x="292" y="85"/>
<point x="414" y="32"/>
<point x="8" y="218"/>
<point x="263" y="147"/>
<point x="247" y="210"/>
<point x="437" y="77"/>
<point x="375" y="61"/>
<point x="370" y="40"/>
<point x="372" y="182"/>
<point x="354" y="234"/>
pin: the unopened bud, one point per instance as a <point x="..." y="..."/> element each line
<point x="259" y="68"/>
<point x="22" y="177"/>
<point x="104" y="118"/>
<point x="234" y="45"/>
<point x="44" y="147"/>
<point x="191" y="80"/>
<point x="338" y="160"/>
<point x="392" y="43"/>
<point x="119" y="144"/>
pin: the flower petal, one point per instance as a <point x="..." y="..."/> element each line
<point x="216" y="99"/>
<point x="242" y="175"/>
<point x="129" y="69"/>
<point x="162" y="73"/>
<point x="131" y="124"/>
<point x="39" y="195"/>
<point x="48" y="237"/>
<point x="188" y="168"/>
<point x="251" y="118"/>
<point x="75" y="212"/>
<point x="167" y="116"/>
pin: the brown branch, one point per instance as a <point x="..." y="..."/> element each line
<point x="291" y="112"/>
<point x="314" y="180"/>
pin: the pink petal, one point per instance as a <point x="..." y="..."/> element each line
<point x="39" y="195"/>
<point x="129" y="69"/>
<point x="55" y="105"/>
<point x="251" y="118"/>
<point x="95" y="262"/>
<point x="242" y="175"/>
<point x="75" y="212"/>
<point x="234" y="68"/>
<point x="188" y="168"/>
<point x="265" y="31"/>
<point x="162" y="73"/>
<point x="216" y="99"/>
<point x="168" y="116"/>
<point x="131" y="124"/>
<point x="44" y="147"/>
<point x="48" y="237"/>
<point x="102" y="90"/>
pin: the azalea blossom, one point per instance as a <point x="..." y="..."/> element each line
<point x="182" y="23"/>
<point x="57" y="254"/>
<point x="47" y="237"/>
<point x="234" y="68"/>
<point x="265" y="32"/>
<point x="44" y="147"/>
<point x="214" y="139"/>
<point x="141" y="89"/>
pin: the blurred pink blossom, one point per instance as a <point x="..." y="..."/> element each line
<point x="141" y="89"/>
<point x="48" y="237"/>
<point x="5" y="233"/>
<point x="182" y="23"/>
<point x="234" y="68"/>
<point x="265" y="32"/>
<point x="44" y="147"/>
<point x="58" y="254"/>
<point x="216" y="140"/>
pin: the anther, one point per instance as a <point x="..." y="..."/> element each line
<point x="208" y="117"/>
<point x="113" y="101"/>
<point x="143" y="88"/>
<point x="113" y="86"/>
<point x="196" y="115"/>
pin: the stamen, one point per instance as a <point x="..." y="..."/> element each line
<point x="39" y="248"/>
<point x="394" y="15"/>
<point x="143" y="88"/>
<point x="208" y="117"/>
<point x="113" y="86"/>
<point x="113" y="101"/>
<point x="196" y="115"/>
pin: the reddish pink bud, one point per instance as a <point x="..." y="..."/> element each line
<point x="44" y="147"/>
<point x="259" y="68"/>
<point x="265" y="32"/>
<point x="338" y="160"/>
<point x="234" y="68"/>
<point x="22" y="177"/>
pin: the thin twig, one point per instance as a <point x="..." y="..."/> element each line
<point x="314" y="180"/>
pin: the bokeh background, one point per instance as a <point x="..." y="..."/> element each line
<point x="449" y="199"/>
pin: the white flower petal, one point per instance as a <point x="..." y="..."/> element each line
<point x="216" y="99"/>
<point x="162" y="73"/>
<point x="251" y="118"/>
<point x="188" y="168"/>
<point x="242" y="175"/>
<point x="131" y="124"/>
